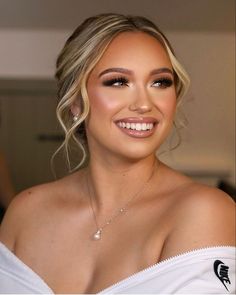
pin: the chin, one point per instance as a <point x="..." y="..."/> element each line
<point x="137" y="152"/>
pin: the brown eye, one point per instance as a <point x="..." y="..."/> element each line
<point x="117" y="82"/>
<point x="163" y="83"/>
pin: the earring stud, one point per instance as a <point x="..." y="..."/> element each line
<point x="75" y="118"/>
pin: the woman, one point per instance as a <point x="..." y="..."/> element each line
<point x="125" y="213"/>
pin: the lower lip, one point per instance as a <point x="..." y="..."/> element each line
<point x="138" y="133"/>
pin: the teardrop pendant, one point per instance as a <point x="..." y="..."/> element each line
<point x="97" y="235"/>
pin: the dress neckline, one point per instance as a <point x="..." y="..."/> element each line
<point x="152" y="267"/>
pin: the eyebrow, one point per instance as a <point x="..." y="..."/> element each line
<point x="117" y="70"/>
<point x="129" y="72"/>
<point x="162" y="70"/>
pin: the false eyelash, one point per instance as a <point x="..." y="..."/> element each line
<point x="165" y="82"/>
<point x="112" y="81"/>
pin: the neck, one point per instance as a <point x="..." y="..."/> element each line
<point x="113" y="183"/>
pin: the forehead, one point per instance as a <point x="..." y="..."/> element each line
<point x="134" y="49"/>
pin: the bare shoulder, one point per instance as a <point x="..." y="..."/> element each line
<point x="208" y="205"/>
<point x="203" y="217"/>
<point x="22" y="210"/>
<point x="32" y="206"/>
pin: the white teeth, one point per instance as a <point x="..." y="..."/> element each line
<point x="144" y="126"/>
<point x="132" y="126"/>
<point x="136" y="126"/>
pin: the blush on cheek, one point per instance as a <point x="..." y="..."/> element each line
<point x="104" y="101"/>
<point x="167" y="106"/>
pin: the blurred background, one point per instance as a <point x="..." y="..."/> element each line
<point x="32" y="32"/>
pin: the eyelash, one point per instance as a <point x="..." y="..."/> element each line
<point x="164" y="82"/>
<point x="112" y="81"/>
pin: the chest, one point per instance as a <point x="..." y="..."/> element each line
<point x="69" y="261"/>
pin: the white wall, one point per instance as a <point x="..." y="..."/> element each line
<point x="208" y="144"/>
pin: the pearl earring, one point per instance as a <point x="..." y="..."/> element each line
<point x="76" y="117"/>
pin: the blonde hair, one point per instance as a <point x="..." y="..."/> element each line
<point x="81" y="53"/>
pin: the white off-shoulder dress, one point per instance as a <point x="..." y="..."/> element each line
<point x="201" y="271"/>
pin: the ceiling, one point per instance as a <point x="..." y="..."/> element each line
<point x="195" y="15"/>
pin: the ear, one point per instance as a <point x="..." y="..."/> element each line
<point x="75" y="109"/>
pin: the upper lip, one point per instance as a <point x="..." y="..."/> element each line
<point x="138" y="120"/>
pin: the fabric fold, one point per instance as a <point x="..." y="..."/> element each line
<point x="201" y="271"/>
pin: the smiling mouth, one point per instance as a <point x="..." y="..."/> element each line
<point x="136" y="126"/>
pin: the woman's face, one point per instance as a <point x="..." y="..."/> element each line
<point x="132" y="97"/>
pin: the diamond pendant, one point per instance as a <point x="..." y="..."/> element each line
<point x="97" y="235"/>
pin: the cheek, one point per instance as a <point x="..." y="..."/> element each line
<point x="167" y="105"/>
<point x="104" y="101"/>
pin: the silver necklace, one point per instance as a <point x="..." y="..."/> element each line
<point x="98" y="234"/>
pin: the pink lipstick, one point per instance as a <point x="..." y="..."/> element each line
<point x="139" y="127"/>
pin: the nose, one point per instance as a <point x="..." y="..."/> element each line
<point x="142" y="103"/>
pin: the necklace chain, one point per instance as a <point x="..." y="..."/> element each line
<point x="123" y="209"/>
